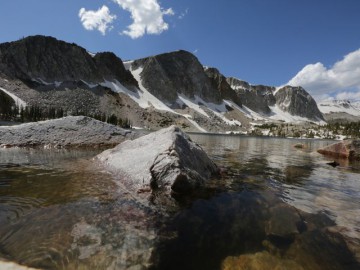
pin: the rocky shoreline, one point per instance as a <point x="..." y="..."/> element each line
<point x="168" y="164"/>
<point x="67" y="132"/>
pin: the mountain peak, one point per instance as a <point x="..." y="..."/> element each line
<point x="47" y="59"/>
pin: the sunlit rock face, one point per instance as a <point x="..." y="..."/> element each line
<point x="70" y="131"/>
<point x="346" y="149"/>
<point x="296" y="101"/>
<point x="164" y="160"/>
<point x="169" y="74"/>
<point x="13" y="266"/>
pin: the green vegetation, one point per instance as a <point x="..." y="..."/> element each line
<point x="266" y="126"/>
<point x="351" y="129"/>
<point x="11" y="112"/>
<point x="7" y="106"/>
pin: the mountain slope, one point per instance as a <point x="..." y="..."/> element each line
<point x="256" y="97"/>
<point x="340" y="110"/>
<point x="296" y="101"/>
<point x="169" y="74"/>
<point x="157" y="91"/>
<point x="46" y="59"/>
<point x="340" y="106"/>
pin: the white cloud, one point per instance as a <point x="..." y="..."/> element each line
<point x="348" y="95"/>
<point x="340" y="80"/>
<point x="100" y="20"/>
<point x="147" y="17"/>
<point x="183" y="14"/>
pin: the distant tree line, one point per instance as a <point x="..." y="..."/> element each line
<point x="111" y="119"/>
<point x="12" y="112"/>
<point x="7" y="106"/>
<point x="351" y="129"/>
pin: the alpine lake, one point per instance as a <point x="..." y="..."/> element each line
<point x="274" y="205"/>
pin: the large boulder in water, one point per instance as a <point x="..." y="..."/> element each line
<point x="164" y="160"/>
<point x="349" y="149"/>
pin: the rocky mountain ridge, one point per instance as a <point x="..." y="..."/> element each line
<point x="340" y="110"/>
<point x="153" y="92"/>
<point x="46" y="60"/>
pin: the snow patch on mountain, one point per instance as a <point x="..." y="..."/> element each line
<point x="278" y="88"/>
<point x="18" y="101"/>
<point x="339" y="106"/>
<point x="90" y="85"/>
<point x="191" y="104"/>
<point x="145" y="99"/>
<point x="142" y="97"/>
<point x="280" y="115"/>
<point x="217" y="109"/>
<point x="189" y="118"/>
<point x="127" y="64"/>
<point x="41" y="81"/>
<point x="252" y="114"/>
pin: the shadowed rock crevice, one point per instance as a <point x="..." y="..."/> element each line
<point x="256" y="97"/>
<point x="220" y="83"/>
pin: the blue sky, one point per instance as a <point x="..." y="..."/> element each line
<point x="270" y="42"/>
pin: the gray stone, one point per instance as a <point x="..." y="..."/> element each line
<point x="165" y="160"/>
<point x="220" y="83"/>
<point x="169" y="74"/>
<point x="322" y="249"/>
<point x="296" y="101"/>
<point x="284" y="221"/>
<point x="5" y="265"/>
<point x="49" y="59"/>
<point x="256" y="97"/>
<point x="71" y="131"/>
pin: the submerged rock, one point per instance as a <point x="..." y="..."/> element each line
<point x="349" y="149"/>
<point x="166" y="160"/>
<point x="13" y="266"/>
<point x="322" y="249"/>
<point x="71" y="131"/>
<point x="284" y="222"/>
<point x="259" y="261"/>
<point x="299" y="145"/>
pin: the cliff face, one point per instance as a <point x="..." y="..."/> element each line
<point x="256" y="97"/>
<point x="48" y="59"/>
<point x="220" y="83"/>
<point x="293" y="100"/>
<point x="111" y="67"/>
<point x="296" y="101"/>
<point x="167" y="75"/>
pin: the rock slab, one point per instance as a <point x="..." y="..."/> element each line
<point x="349" y="149"/>
<point x="164" y="160"/>
<point x="70" y="131"/>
